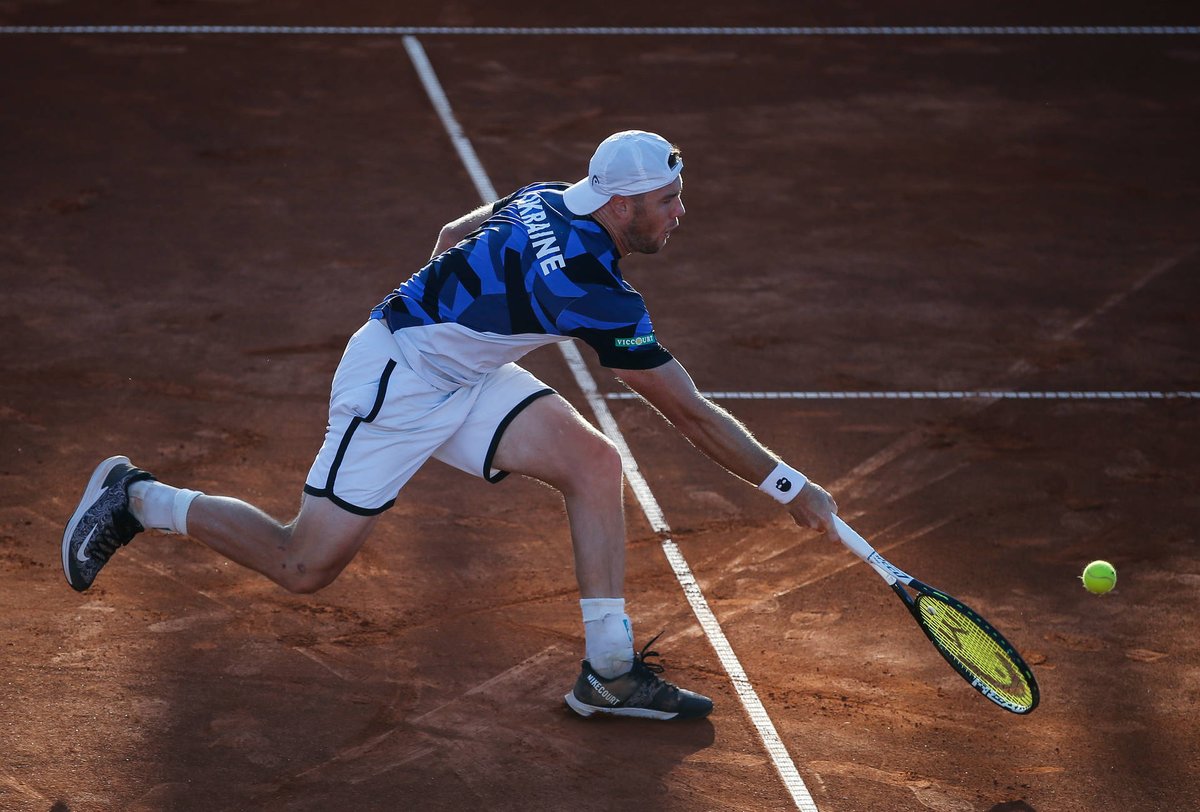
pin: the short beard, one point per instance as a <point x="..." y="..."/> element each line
<point x="638" y="242"/>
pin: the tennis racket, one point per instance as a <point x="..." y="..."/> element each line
<point x="971" y="645"/>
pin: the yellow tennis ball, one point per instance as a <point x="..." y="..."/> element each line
<point x="1099" y="577"/>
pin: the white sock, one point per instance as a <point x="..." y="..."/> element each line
<point x="608" y="635"/>
<point x="160" y="507"/>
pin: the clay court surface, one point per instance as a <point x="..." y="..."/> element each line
<point x="192" y="225"/>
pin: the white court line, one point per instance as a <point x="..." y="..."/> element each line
<point x="708" y="621"/>
<point x="938" y="395"/>
<point x="558" y="31"/>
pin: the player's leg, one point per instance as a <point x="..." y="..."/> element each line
<point x="366" y="458"/>
<point x="384" y="422"/>
<point x="528" y="430"/>
<point x="121" y="500"/>
<point x="302" y="556"/>
<point x="551" y="442"/>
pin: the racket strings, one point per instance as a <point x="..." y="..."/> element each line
<point x="961" y="638"/>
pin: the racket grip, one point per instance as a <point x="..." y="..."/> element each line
<point x="859" y="546"/>
<point x="856" y="543"/>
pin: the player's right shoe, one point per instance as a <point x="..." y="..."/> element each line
<point x="641" y="692"/>
<point x="101" y="523"/>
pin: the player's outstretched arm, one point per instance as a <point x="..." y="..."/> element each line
<point x="722" y="437"/>
<point x="453" y="232"/>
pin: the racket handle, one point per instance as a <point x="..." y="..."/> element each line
<point x="857" y="544"/>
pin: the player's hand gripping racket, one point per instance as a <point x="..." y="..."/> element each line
<point x="968" y="642"/>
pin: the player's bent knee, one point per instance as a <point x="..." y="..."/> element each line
<point x="607" y="460"/>
<point x="301" y="579"/>
<point x="321" y="542"/>
<point x="596" y="466"/>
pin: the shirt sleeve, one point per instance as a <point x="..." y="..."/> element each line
<point x="617" y="326"/>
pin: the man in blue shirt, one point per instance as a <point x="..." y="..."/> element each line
<point x="432" y="374"/>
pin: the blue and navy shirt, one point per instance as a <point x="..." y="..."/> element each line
<point x="532" y="274"/>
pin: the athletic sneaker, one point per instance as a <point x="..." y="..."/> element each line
<point x="101" y="523"/>
<point x="641" y="692"/>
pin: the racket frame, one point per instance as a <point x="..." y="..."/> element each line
<point x="897" y="579"/>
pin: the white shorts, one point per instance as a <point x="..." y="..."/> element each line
<point x="385" y="422"/>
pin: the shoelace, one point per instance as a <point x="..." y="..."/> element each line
<point x="654" y="669"/>
<point x="122" y="528"/>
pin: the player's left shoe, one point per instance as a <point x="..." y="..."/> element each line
<point x="101" y="523"/>
<point x="641" y="693"/>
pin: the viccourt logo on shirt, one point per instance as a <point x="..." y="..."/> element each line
<point x="636" y="341"/>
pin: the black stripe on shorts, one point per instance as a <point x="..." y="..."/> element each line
<point x="327" y="491"/>
<point x="508" y="418"/>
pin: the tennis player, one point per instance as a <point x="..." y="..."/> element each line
<point x="432" y="374"/>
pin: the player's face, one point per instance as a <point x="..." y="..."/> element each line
<point x="655" y="215"/>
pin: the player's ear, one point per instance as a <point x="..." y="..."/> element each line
<point x="622" y="207"/>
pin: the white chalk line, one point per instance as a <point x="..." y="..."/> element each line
<point x="466" y="153"/>
<point x="939" y="395"/>
<point x="23" y="788"/>
<point x="1119" y="297"/>
<point x="708" y="621"/>
<point x="626" y="31"/>
<point x="316" y="658"/>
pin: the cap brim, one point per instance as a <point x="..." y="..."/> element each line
<point x="581" y="199"/>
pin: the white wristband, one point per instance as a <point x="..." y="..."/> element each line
<point x="784" y="483"/>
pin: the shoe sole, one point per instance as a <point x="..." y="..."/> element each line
<point x="90" y="494"/>
<point x="585" y="710"/>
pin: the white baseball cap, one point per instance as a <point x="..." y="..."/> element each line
<point x="626" y="163"/>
